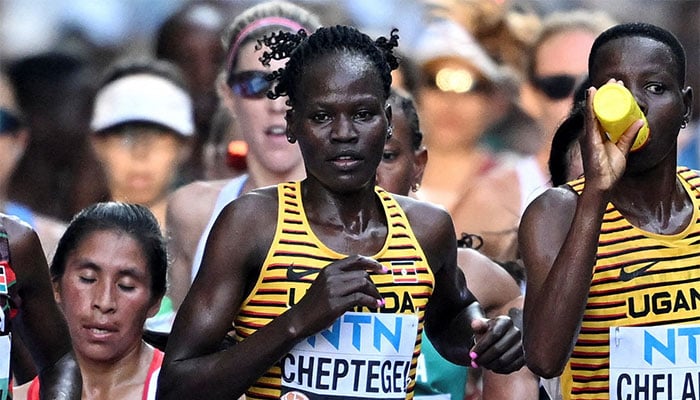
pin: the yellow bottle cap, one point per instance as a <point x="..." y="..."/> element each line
<point x="616" y="109"/>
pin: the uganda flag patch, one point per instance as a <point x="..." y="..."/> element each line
<point x="7" y="277"/>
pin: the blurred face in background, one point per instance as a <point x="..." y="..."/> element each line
<point x="13" y="134"/>
<point x="561" y="64"/>
<point x="456" y="104"/>
<point x="194" y="45"/>
<point x="259" y="120"/>
<point x="141" y="161"/>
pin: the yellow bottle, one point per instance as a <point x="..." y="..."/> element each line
<point x="616" y="109"/>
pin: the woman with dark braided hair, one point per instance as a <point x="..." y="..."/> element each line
<point x="329" y="281"/>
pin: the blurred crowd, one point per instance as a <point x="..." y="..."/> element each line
<point x="125" y="100"/>
<point x="54" y="53"/>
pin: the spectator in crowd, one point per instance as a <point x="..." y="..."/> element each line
<point x="458" y="96"/>
<point x="400" y="172"/>
<point x="14" y="139"/>
<point x="556" y="66"/>
<point x="190" y="38"/>
<point x="142" y="125"/>
<point x="58" y="174"/>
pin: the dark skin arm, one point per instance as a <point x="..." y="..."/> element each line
<point x="499" y="294"/>
<point x="521" y="384"/>
<point x="194" y="368"/>
<point x="453" y="316"/>
<point x="23" y="369"/>
<point x="40" y="323"/>
<point x="558" y="240"/>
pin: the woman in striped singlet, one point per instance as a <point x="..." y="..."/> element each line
<point x="613" y="259"/>
<point x="498" y="293"/>
<point x="329" y="281"/>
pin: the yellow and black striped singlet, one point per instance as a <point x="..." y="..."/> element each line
<point x="640" y="279"/>
<point x="296" y="256"/>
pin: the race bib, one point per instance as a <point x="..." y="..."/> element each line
<point x="361" y="356"/>
<point x="658" y="362"/>
<point x="5" y="345"/>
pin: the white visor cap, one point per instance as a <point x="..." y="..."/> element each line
<point x="143" y="98"/>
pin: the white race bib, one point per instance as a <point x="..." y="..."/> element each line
<point x="5" y="346"/>
<point x="659" y="362"/>
<point x="361" y="356"/>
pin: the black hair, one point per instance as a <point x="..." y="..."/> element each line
<point x="302" y="49"/>
<point x="144" y="65"/>
<point x="170" y="32"/>
<point x="566" y="136"/>
<point x="41" y="80"/>
<point x="404" y="100"/>
<point x="644" y="30"/>
<point x="409" y="71"/>
<point x="132" y="219"/>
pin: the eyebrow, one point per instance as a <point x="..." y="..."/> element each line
<point x="129" y="271"/>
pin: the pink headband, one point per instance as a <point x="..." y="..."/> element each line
<point x="263" y="22"/>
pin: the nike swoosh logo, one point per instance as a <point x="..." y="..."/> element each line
<point x="297" y="275"/>
<point x="628" y="276"/>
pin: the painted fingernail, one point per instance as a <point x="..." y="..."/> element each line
<point x="473" y="355"/>
<point x="475" y="365"/>
<point x="381" y="302"/>
<point x="385" y="269"/>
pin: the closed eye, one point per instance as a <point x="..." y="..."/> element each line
<point x="127" y="288"/>
<point x="84" y="279"/>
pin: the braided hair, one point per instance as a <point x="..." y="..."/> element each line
<point x="302" y="49"/>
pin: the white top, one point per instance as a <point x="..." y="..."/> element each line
<point x="230" y="192"/>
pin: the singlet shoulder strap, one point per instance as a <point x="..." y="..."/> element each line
<point x="577" y="184"/>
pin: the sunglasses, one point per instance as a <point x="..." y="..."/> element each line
<point x="557" y="87"/>
<point x="9" y="122"/>
<point x="250" y="84"/>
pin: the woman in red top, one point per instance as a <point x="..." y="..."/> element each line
<point x="109" y="276"/>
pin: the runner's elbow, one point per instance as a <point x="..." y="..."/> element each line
<point x="543" y="364"/>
